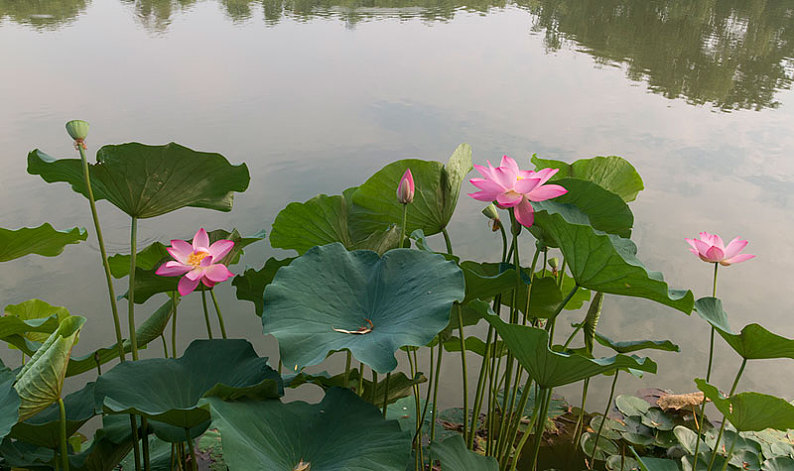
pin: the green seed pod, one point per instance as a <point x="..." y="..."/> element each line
<point x="77" y="129"/>
<point x="554" y="263"/>
<point x="490" y="212"/>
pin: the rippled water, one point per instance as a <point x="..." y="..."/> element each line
<point x="316" y="96"/>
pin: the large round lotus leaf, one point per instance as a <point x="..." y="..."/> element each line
<point x="331" y="299"/>
<point x="375" y="204"/>
<point x="753" y="343"/>
<point x="9" y="401"/>
<point x="603" y="262"/>
<point x="168" y="390"/>
<point x="612" y="173"/>
<point x="749" y="411"/>
<point x="39" y="382"/>
<point x="147" y="181"/>
<point x="43" y="429"/>
<point x="42" y="240"/>
<point x="341" y="433"/>
<point x="454" y="456"/>
<point x="549" y="369"/>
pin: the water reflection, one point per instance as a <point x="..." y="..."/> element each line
<point x="42" y="14"/>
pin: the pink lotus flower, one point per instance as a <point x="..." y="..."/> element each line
<point x="195" y="262"/>
<point x="710" y="248"/>
<point x="512" y="187"/>
<point x="405" y="190"/>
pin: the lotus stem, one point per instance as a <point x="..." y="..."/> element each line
<point x="64" y="450"/>
<point x="386" y="394"/>
<point x="415" y="444"/>
<point x="374" y="380"/>
<point x="724" y="420"/>
<point x="173" y="326"/>
<point x="526" y="435"/>
<point x="465" y="375"/>
<point x="131" y="322"/>
<point x="193" y="463"/>
<point x="136" y="453"/>
<point x="540" y="425"/>
<point x="562" y="272"/>
<point x="429" y="383"/>
<point x="405" y="223"/>
<point x="603" y="421"/>
<point x="580" y="420"/>
<point x="480" y="391"/>
<point x="165" y="346"/>
<point x="522" y="404"/>
<point x="348" y="361"/>
<point x="447" y="241"/>
<point x="434" y="414"/>
<point x="147" y="465"/>
<point x="708" y="370"/>
<point x="504" y="242"/>
<point x="218" y="311"/>
<point x="360" y="390"/>
<point x="206" y="313"/>
<point x="108" y="278"/>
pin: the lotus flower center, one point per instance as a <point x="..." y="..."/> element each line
<point x="194" y="259"/>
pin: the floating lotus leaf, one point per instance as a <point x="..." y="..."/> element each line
<point x="656" y="464"/>
<point x="251" y="284"/>
<point x="39" y="382"/>
<point x="621" y="463"/>
<point x="631" y="405"/>
<point x="42" y="240"/>
<point x="454" y="456"/>
<point x="331" y="299"/>
<point x="613" y="173"/>
<point x="551" y="369"/>
<point x="148" y="181"/>
<point x="43" y="429"/>
<point x="145" y="333"/>
<point x="340" y="433"/>
<point x="605" y="448"/>
<point x="168" y="390"/>
<point x="603" y="262"/>
<point x="688" y="439"/>
<point x="9" y="401"/>
<point x="636" y="345"/>
<point x="753" y="343"/>
<point x="749" y="411"/>
<point x="779" y="463"/>
<point x="375" y="204"/>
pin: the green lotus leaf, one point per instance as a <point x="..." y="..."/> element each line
<point x="621" y="463"/>
<point x="169" y="390"/>
<point x="750" y="411"/>
<point x="631" y="405"/>
<point x="471" y="313"/>
<point x="375" y="205"/>
<point x="636" y="432"/>
<point x="319" y="221"/>
<point x="688" y="440"/>
<point x="454" y="456"/>
<point x="753" y="343"/>
<point x="145" y="333"/>
<point x="252" y="283"/>
<point x="648" y="463"/>
<point x="109" y="446"/>
<point x="40" y="380"/>
<point x="611" y="429"/>
<point x="400" y="385"/>
<point x="655" y="418"/>
<point x="43" y="429"/>
<point x="551" y="369"/>
<point x="34" y="319"/>
<point x="604" y="262"/>
<point x="484" y="281"/>
<point x="42" y="240"/>
<point x="314" y="305"/>
<point x="636" y="345"/>
<point x="17" y="454"/>
<point x="613" y="173"/>
<point x="779" y="463"/>
<point x="475" y="345"/>
<point x="9" y="401"/>
<point x="340" y="433"/>
<point x="606" y="210"/>
<point x="605" y="448"/>
<point x="148" y="181"/>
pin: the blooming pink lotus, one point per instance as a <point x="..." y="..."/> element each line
<point x="195" y="262"/>
<point x="512" y="187"/>
<point x="405" y="190"/>
<point x="710" y="248"/>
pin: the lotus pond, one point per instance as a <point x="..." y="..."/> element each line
<point x="288" y="287"/>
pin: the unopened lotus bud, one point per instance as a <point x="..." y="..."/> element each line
<point x="405" y="190"/>
<point x="490" y="212"/>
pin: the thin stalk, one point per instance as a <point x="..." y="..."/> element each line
<point x="360" y="389"/>
<point x="708" y="368"/>
<point x="724" y="420"/>
<point x="434" y="414"/>
<point x="447" y="241"/>
<point x="418" y="411"/>
<point x="561" y="272"/>
<point x="374" y="380"/>
<point x="465" y="375"/>
<point x="429" y="382"/>
<point x="540" y="425"/>
<point x="522" y="404"/>
<point x="206" y="313"/>
<point x="193" y="463"/>
<point x="136" y="453"/>
<point x="348" y="361"/>
<point x="386" y="394"/>
<point x="526" y="434"/>
<point x="108" y="278"/>
<point x="577" y="432"/>
<point x="405" y="223"/>
<point x="131" y="293"/>
<point x="504" y="242"/>
<point x="730" y="453"/>
<point x="173" y="325"/>
<point x="218" y="311"/>
<point x="147" y="465"/>
<point x="419" y="416"/>
<point x="165" y="346"/>
<point x="479" y="393"/>
<point x="603" y="421"/>
<point x="64" y="450"/>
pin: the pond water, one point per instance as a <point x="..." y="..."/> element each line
<point x="316" y="95"/>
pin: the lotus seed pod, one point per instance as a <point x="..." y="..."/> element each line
<point x="554" y="263"/>
<point x="490" y="212"/>
<point x="77" y="129"/>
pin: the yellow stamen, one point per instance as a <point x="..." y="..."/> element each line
<point x="195" y="258"/>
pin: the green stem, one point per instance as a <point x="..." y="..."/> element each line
<point x="504" y="242"/>
<point x="580" y="421"/>
<point x="434" y="414"/>
<point x="603" y="421"/>
<point x="522" y="404"/>
<point x="708" y="371"/>
<point x="480" y="391"/>
<point x="360" y="390"/>
<point x="465" y="375"/>
<point x="525" y="437"/>
<point x="420" y="415"/>
<point x="218" y="311"/>
<point x="405" y="223"/>
<point x="136" y="453"/>
<point x="386" y="394"/>
<point x="417" y="445"/>
<point x="193" y="463"/>
<point x="206" y="312"/>
<point x="540" y="425"/>
<point x="348" y="361"/>
<point x="447" y="241"/>
<point x="64" y="450"/>
<point x="429" y="382"/>
<point x="131" y="293"/>
<point x="108" y="278"/>
<point x="173" y="325"/>
<point x="724" y="419"/>
<point x="147" y="464"/>
<point x="730" y="453"/>
<point x="165" y="346"/>
<point x="714" y="288"/>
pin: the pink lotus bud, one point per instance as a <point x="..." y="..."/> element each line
<point x="405" y="190"/>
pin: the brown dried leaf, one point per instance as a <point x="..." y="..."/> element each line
<point x="680" y="401"/>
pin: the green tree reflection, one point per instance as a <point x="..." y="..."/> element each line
<point x="42" y="14"/>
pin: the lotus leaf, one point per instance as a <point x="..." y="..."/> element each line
<point x="18" y="454"/>
<point x="621" y="463"/>
<point x="753" y="343"/>
<point x="475" y="345"/>
<point x="606" y="211"/>
<point x="688" y="440"/>
<point x="42" y="240"/>
<point x="613" y="173"/>
<point x="169" y="390"/>
<point x="43" y="429"/>
<point x="375" y="205"/>
<point x="39" y="382"/>
<point x="780" y="463"/>
<point x="148" y="181"/>
<point x="400" y="385"/>
<point x="340" y="433"/>
<point x="454" y="456"/>
<point x="9" y="400"/>
<point x="749" y="411"/>
<point x="648" y="463"/>
<point x="631" y="405"/>
<point x="636" y="345"/>
<point x="331" y="299"/>
<point x="252" y="283"/>
<point x="606" y="447"/>
<point x="551" y="369"/>
<point x="604" y="262"/>
<point x="40" y="317"/>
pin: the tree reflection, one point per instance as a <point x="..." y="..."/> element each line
<point x="42" y="14"/>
